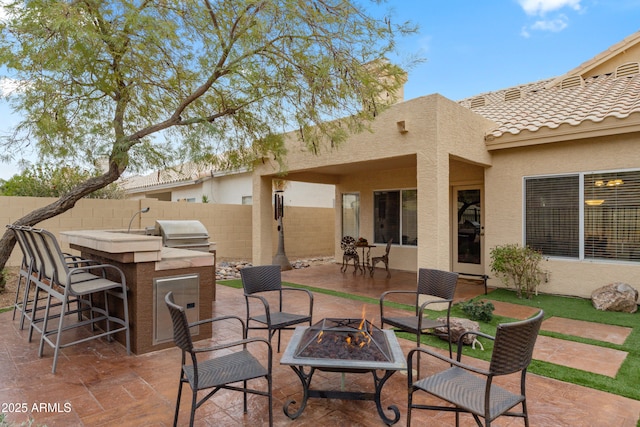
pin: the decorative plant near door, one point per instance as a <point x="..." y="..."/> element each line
<point x="519" y="267"/>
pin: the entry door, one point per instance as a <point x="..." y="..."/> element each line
<point x="468" y="231"/>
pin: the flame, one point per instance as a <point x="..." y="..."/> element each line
<point x="320" y="336"/>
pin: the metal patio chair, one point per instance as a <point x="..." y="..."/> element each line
<point x="383" y="258"/>
<point x="350" y="252"/>
<point x="219" y="372"/>
<point x="264" y="281"/>
<point x="27" y="269"/>
<point x="470" y="389"/>
<point x="435" y="287"/>
<point x="66" y="283"/>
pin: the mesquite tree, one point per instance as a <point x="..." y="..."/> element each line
<point x="136" y="84"/>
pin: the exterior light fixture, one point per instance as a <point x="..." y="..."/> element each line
<point x="402" y="126"/>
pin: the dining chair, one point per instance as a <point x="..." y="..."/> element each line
<point x="263" y="283"/>
<point x="434" y="287"/>
<point x="383" y="258"/>
<point x="471" y="389"/>
<point x="349" y="253"/>
<point x="208" y="369"/>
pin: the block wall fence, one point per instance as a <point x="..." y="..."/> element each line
<point x="308" y="231"/>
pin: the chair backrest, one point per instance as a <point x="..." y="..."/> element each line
<point x="261" y="278"/>
<point x="348" y="244"/>
<point x="27" y="256"/>
<point x="513" y="345"/>
<point x="181" y="333"/>
<point x="386" y="252"/>
<point x="438" y="283"/>
<point x="54" y="263"/>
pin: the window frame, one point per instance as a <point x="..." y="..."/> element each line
<point x="401" y="216"/>
<point x="581" y="213"/>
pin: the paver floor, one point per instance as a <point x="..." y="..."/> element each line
<point x="97" y="384"/>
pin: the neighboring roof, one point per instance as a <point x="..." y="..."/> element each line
<point x="184" y="174"/>
<point x="525" y="112"/>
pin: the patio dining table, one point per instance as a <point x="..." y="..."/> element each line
<point x="366" y="255"/>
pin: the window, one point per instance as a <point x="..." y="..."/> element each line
<point x="351" y="215"/>
<point x="552" y="215"/>
<point x="584" y="216"/>
<point x="612" y="216"/>
<point x="395" y="215"/>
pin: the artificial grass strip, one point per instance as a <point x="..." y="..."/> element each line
<point x="624" y="384"/>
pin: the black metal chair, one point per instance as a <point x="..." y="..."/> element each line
<point x="470" y="389"/>
<point x="383" y="258"/>
<point x="350" y="252"/>
<point x="220" y="372"/>
<point x="436" y="287"/>
<point x="263" y="282"/>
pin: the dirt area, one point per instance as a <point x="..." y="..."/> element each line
<point x="8" y="296"/>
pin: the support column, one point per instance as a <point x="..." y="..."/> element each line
<point x="262" y="219"/>
<point x="434" y="241"/>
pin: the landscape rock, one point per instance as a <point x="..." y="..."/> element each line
<point x="616" y="296"/>
<point x="458" y="327"/>
<point x="229" y="270"/>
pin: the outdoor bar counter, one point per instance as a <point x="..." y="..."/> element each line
<point x="152" y="270"/>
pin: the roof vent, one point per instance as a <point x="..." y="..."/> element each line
<point x="512" y="94"/>
<point x="628" y="69"/>
<point x="478" y="102"/>
<point x="572" y="82"/>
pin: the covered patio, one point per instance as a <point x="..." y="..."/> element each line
<point x="103" y="386"/>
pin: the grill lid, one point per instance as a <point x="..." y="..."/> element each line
<point x="186" y="234"/>
<point x="177" y="229"/>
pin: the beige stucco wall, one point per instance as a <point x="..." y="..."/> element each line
<point x="438" y="131"/>
<point x="365" y="183"/>
<point x="504" y="204"/>
<point x="308" y="231"/>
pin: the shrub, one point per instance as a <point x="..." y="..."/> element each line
<point x="518" y="267"/>
<point x="478" y="310"/>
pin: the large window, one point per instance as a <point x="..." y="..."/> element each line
<point x="585" y="216"/>
<point x="395" y="215"/>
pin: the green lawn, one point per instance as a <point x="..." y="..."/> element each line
<point x="624" y="384"/>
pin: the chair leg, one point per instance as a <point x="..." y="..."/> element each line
<point x="244" y="392"/>
<point x="192" y="416"/>
<point x="175" y="417"/>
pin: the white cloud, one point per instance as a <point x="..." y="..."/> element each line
<point x="552" y="25"/>
<point x="541" y="7"/>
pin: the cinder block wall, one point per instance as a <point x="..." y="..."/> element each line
<point x="308" y="231"/>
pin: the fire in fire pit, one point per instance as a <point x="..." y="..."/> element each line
<point x="344" y="339"/>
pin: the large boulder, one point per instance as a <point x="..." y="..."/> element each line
<point x="615" y="297"/>
<point x="458" y="327"/>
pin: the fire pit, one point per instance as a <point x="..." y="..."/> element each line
<point x="346" y="346"/>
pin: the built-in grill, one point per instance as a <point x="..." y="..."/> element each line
<point x="183" y="234"/>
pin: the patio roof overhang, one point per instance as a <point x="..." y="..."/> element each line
<point x="332" y="173"/>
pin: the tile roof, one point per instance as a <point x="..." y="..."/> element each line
<point x="541" y="106"/>
<point x="187" y="172"/>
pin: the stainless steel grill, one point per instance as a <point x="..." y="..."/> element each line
<point x="184" y="234"/>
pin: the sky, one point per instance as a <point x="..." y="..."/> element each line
<point x="470" y="47"/>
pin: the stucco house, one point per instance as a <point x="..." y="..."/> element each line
<point x="553" y="164"/>
<point x="194" y="183"/>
